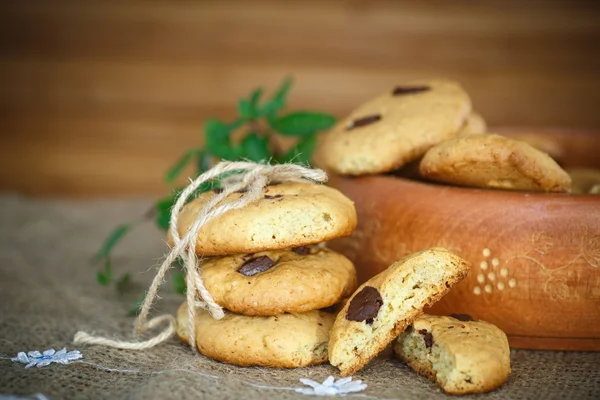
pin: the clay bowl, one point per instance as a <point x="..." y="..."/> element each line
<point x="535" y="256"/>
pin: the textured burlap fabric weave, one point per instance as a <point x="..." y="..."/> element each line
<point x="48" y="291"/>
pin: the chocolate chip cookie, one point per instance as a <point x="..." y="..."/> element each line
<point x="395" y="128"/>
<point x="493" y="161"/>
<point x="275" y="282"/>
<point x="289" y="215"/>
<point x="386" y="304"/>
<point x="460" y="355"/>
<point x="283" y="341"/>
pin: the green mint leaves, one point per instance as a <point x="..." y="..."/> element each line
<point x="302" y="123"/>
<point x="251" y="136"/>
<point x="301" y="152"/>
<point x="110" y="242"/>
<point x="176" y="169"/>
<point x="255" y="147"/>
<point x="105" y="277"/>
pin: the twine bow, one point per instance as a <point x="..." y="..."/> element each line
<point x="247" y="177"/>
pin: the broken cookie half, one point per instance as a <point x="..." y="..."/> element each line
<point x="386" y="304"/>
<point x="459" y="355"/>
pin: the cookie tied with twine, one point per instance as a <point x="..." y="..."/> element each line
<point x="247" y="177"/>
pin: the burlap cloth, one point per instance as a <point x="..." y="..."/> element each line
<point x="48" y="291"/>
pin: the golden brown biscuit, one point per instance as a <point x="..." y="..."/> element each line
<point x="474" y="125"/>
<point x="283" y="341"/>
<point x="493" y="161"/>
<point x="289" y="215"/>
<point x="394" y="128"/>
<point x="275" y="282"/>
<point x="461" y="356"/>
<point x="387" y="303"/>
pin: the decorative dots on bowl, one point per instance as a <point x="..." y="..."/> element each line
<point x="491" y="278"/>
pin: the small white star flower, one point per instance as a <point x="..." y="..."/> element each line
<point x="37" y="359"/>
<point x="331" y="387"/>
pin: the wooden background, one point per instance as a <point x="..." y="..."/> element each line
<point x="99" y="97"/>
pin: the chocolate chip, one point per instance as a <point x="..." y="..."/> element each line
<point x="302" y="250"/>
<point x="365" y="305"/>
<point x="275" y="196"/>
<point x="364" y="121"/>
<point x="402" y="90"/>
<point x="462" y="317"/>
<point x="218" y="190"/>
<point x="428" y="337"/>
<point x="256" y="266"/>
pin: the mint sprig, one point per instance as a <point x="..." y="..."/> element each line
<point x="259" y="123"/>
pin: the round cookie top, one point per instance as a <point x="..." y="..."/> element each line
<point x="289" y="215"/>
<point x="283" y="341"/>
<point x="395" y="128"/>
<point x="474" y="356"/>
<point x="387" y="303"/>
<point x="281" y="281"/>
<point x="494" y="161"/>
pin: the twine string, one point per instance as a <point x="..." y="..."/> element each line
<point x="247" y="177"/>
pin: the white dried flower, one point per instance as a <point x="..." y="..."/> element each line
<point x="331" y="387"/>
<point x="37" y="359"/>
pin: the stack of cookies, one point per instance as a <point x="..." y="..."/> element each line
<point x="267" y="265"/>
<point x="428" y="130"/>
